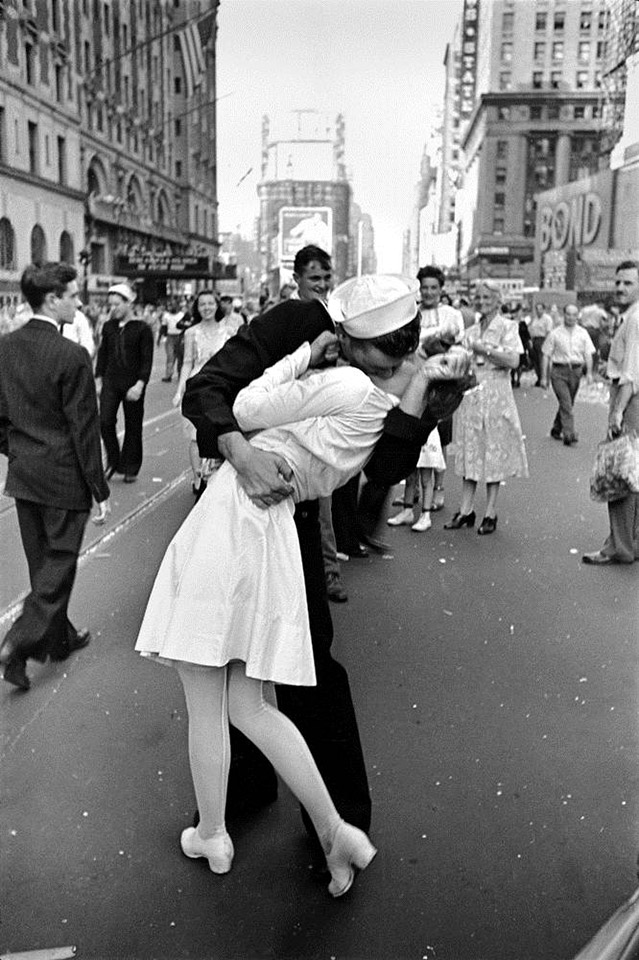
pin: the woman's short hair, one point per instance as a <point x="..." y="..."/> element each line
<point x="491" y="286"/>
<point x="195" y="309"/>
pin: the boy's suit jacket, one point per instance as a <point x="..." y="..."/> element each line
<point x="49" y="424"/>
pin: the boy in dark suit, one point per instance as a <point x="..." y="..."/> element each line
<point x="49" y="430"/>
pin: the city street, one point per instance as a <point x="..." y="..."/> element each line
<point x="495" y="682"/>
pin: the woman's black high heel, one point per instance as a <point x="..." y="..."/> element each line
<point x="461" y="520"/>
<point x="487" y="525"/>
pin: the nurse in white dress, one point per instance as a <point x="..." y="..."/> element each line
<point x="228" y="606"/>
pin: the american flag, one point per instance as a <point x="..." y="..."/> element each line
<point x="193" y="38"/>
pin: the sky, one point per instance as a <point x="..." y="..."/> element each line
<point x="378" y="62"/>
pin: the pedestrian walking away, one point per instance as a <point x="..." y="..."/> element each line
<point x="123" y="369"/>
<point x="567" y="352"/>
<point x="320" y="430"/>
<point x="49" y="430"/>
<point x="540" y="326"/>
<point x="622" y="543"/>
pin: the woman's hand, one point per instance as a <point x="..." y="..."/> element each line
<point x="324" y="349"/>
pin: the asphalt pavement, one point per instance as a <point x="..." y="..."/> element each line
<point x="495" y="682"/>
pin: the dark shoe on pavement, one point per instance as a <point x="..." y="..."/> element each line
<point x="597" y="559"/>
<point x="570" y="441"/>
<point x="335" y="588"/>
<point x="110" y="472"/>
<point x="488" y="525"/>
<point x="62" y="651"/>
<point x="555" y="434"/>
<point x="129" y="478"/>
<point x="15" y="672"/>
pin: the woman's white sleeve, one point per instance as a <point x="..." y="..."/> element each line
<point x="325" y="393"/>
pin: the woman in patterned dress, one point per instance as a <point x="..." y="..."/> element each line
<point x="202" y="340"/>
<point x="488" y="437"/>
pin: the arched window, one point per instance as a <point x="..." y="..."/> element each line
<point x="66" y="248"/>
<point x="7" y="245"/>
<point x="38" y="246"/>
<point x="134" y="196"/>
<point x="164" y="211"/>
<point x="96" y="178"/>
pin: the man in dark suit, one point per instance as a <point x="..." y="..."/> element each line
<point x="49" y="430"/>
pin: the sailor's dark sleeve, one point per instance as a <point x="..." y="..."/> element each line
<point x="209" y="395"/>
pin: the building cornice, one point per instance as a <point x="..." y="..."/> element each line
<point x="49" y="185"/>
<point x="28" y="98"/>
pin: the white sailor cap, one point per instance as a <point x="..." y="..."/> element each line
<point x="374" y="304"/>
<point x="124" y="291"/>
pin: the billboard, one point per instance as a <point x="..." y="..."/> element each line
<point x="299" y="226"/>
<point x="470" y="21"/>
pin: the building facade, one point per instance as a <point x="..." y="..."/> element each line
<point x="536" y="124"/>
<point x="107" y="139"/>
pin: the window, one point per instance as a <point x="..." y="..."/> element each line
<point x="559" y="21"/>
<point x="602" y="20"/>
<point x="38" y="246"/>
<point x="596" y="111"/>
<point x="66" y="247"/>
<point x="584" y="51"/>
<point x="585" y="20"/>
<point x="500" y="199"/>
<point x="178" y="85"/>
<point x="553" y="111"/>
<point x="29" y="62"/>
<point x="178" y="169"/>
<point x="508" y="22"/>
<point x="540" y="21"/>
<point x="3" y="137"/>
<point x="197" y="218"/>
<point x="535" y="112"/>
<point x="500" y="177"/>
<point x="62" y="160"/>
<point x="579" y="112"/>
<point x="498" y="224"/>
<point x="504" y="113"/>
<point x="506" y="52"/>
<point x="107" y="19"/>
<point x="537" y="80"/>
<point x="505" y="81"/>
<point x="87" y="56"/>
<point x="601" y="49"/>
<point x="540" y="51"/>
<point x="47" y="157"/>
<point x="558" y="50"/>
<point x="59" y="84"/>
<point x="555" y="79"/>
<point x="178" y="128"/>
<point x="582" y="79"/>
<point x="34" y="158"/>
<point x="502" y="149"/>
<point x="7" y="245"/>
<point x="100" y="119"/>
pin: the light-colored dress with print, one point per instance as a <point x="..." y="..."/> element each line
<point x="202" y="342"/>
<point x="489" y="444"/>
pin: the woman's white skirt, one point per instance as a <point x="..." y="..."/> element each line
<point x="231" y="587"/>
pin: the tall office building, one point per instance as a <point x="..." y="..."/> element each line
<point x="530" y="107"/>
<point x="107" y="137"/>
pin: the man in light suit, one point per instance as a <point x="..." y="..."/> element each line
<point x="50" y="431"/>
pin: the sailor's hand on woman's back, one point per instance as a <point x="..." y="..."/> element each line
<point x="264" y="476"/>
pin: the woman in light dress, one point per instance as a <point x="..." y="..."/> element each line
<point x="228" y="606"/>
<point x="202" y="340"/>
<point x="487" y="433"/>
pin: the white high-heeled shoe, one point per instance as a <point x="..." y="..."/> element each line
<point x="350" y="849"/>
<point x="217" y="850"/>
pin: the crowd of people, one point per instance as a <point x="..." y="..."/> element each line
<point x="301" y="421"/>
